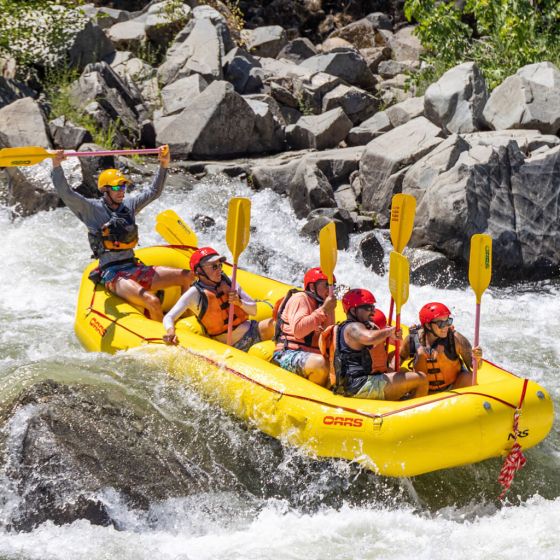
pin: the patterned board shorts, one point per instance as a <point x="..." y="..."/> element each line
<point x="292" y="360"/>
<point x="252" y="336"/>
<point x="373" y="388"/>
<point x="138" y="272"/>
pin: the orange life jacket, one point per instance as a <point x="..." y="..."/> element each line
<point x="287" y="341"/>
<point x="214" y="307"/>
<point x="373" y="359"/>
<point x="440" y="362"/>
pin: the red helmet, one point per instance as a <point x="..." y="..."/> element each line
<point x="379" y="319"/>
<point x="314" y="274"/>
<point x="432" y="311"/>
<point x="355" y="298"/>
<point x="201" y="254"/>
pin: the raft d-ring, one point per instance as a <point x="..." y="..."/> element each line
<point x="377" y="423"/>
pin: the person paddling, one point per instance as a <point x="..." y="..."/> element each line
<point x="113" y="234"/>
<point x="357" y="354"/>
<point x="209" y="298"/>
<point x="439" y="351"/>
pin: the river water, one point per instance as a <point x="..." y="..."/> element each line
<point x="263" y="500"/>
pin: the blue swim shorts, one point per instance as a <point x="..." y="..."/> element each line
<point x="252" y="336"/>
<point x="292" y="360"/>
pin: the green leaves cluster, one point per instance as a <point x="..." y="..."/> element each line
<point x="499" y="35"/>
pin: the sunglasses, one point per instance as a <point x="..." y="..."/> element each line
<point x="118" y="187"/>
<point x="214" y="266"/>
<point x="442" y="324"/>
<point x="370" y="308"/>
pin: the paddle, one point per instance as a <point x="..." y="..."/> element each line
<point x="174" y="230"/>
<point x="31" y="155"/>
<point x="403" y="209"/>
<point x="328" y="254"/>
<point x="398" y="285"/>
<point x="237" y="238"/>
<point x="480" y="272"/>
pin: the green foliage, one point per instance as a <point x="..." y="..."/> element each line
<point x="499" y="35"/>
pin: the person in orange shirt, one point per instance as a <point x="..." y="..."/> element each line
<point x="301" y="318"/>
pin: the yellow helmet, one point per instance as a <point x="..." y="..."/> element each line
<point x="110" y="178"/>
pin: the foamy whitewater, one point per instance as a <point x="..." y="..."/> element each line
<point x="450" y="514"/>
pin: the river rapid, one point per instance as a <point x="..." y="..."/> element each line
<point x="262" y="500"/>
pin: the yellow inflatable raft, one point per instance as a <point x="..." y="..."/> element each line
<point x="403" y="438"/>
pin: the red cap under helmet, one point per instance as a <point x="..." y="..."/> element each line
<point x="201" y="254"/>
<point x="314" y="274"/>
<point x="355" y="298"/>
<point x="432" y="311"/>
<point x="379" y="319"/>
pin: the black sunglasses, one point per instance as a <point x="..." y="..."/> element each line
<point x="369" y="307"/>
<point x="214" y="266"/>
<point x="442" y="324"/>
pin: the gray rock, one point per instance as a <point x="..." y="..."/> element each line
<point x="369" y="129"/>
<point x="177" y="95"/>
<point x="373" y="254"/>
<point x="266" y="41"/>
<point x="528" y="99"/>
<point x="527" y="140"/>
<point x="346" y="64"/>
<point x="429" y="268"/>
<point x="164" y="20"/>
<point x="140" y="78"/>
<point x="312" y="228"/>
<point x="298" y="50"/>
<point x="278" y="176"/>
<point x="243" y="71"/>
<point x="283" y="95"/>
<point x="128" y="35"/>
<point x="89" y="45"/>
<point x="217" y="123"/>
<point x="290" y="115"/>
<point x="67" y="135"/>
<point x="361" y="33"/>
<point x="268" y="133"/>
<point x="11" y="90"/>
<point x="310" y="189"/>
<point x="22" y="123"/>
<point x="319" y="132"/>
<point x="405" y="45"/>
<point x="405" y="111"/>
<point x="386" y="156"/>
<point x="391" y="68"/>
<point x="107" y="17"/>
<point x="310" y="91"/>
<point x="456" y="101"/>
<point x="374" y="56"/>
<point x="346" y="198"/>
<point x="358" y="104"/>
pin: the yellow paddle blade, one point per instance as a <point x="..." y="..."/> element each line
<point x="328" y="249"/>
<point x="174" y="230"/>
<point x="480" y="264"/>
<point x="238" y="225"/>
<point x="403" y="209"/>
<point x="22" y="157"/>
<point x="399" y="279"/>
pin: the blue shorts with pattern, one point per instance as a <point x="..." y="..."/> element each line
<point x="373" y="388"/>
<point x="292" y="360"/>
<point x="252" y="336"/>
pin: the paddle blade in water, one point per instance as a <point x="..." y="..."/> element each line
<point x="403" y="209"/>
<point x="329" y="250"/>
<point x="174" y="230"/>
<point x="480" y="264"/>
<point x="399" y="278"/>
<point x="238" y="225"/>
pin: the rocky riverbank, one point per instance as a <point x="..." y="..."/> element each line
<point x="332" y="123"/>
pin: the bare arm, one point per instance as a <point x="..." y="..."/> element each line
<point x="405" y="349"/>
<point x="360" y="335"/>
<point x="466" y="351"/>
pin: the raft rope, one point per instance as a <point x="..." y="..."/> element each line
<point x="515" y="459"/>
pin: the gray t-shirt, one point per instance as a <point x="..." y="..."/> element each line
<point x="94" y="212"/>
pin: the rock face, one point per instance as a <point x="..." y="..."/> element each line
<point x="319" y="132"/>
<point x="529" y="99"/>
<point x="22" y="123"/>
<point x="456" y="101"/>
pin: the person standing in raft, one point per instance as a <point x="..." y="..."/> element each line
<point x="356" y="351"/>
<point x="209" y="299"/>
<point x="300" y="319"/>
<point x="439" y="351"/>
<point x="113" y="234"/>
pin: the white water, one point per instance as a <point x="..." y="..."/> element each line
<point x="42" y="259"/>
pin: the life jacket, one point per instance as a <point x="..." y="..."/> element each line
<point x="348" y="367"/>
<point x="118" y="234"/>
<point x="440" y="361"/>
<point x="214" y="307"/>
<point x="311" y="341"/>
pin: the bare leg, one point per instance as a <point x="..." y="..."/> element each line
<point x="131" y="291"/>
<point x="166" y="276"/>
<point x="316" y="369"/>
<point x="405" y="382"/>
<point x="266" y="329"/>
<point x="464" y="379"/>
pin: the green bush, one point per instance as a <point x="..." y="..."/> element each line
<point x="499" y="35"/>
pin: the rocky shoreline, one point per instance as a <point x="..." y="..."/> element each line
<point x="333" y="125"/>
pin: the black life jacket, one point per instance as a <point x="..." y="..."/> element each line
<point x="118" y="234"/>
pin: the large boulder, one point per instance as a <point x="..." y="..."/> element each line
<point x="298" y="50"/>
<point x="89" y="45"/>
<point x="22" y="123"/>
<point x="406" y="110"/>
<point x="456" y="101"/>
<point x="361" y="33"/>
<point x="528" y="99"/>
<point x="11" y="90"/>
<point x="371" y="128"/>
<point x="243" y="71"/>
<point x="67" y="135"/>
<point x="266" y="41"/>
<point x="388" y="155"/>
<point x="268" y="133"/>
<point x="164" y="20"/>
<point x="358" y="104"/>
<point x="346" y="64"/>
<point x="310" y="189"/>
<point x="217" y="123"/>
<point x="128" y="35"/>
<point x="319" y="131"/>
<point x="177" y="95"/>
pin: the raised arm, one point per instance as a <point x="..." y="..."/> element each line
<point x="142" y="199"/>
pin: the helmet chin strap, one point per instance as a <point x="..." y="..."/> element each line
<point x="208" y="279"/>
<point x="313" y="293"/>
